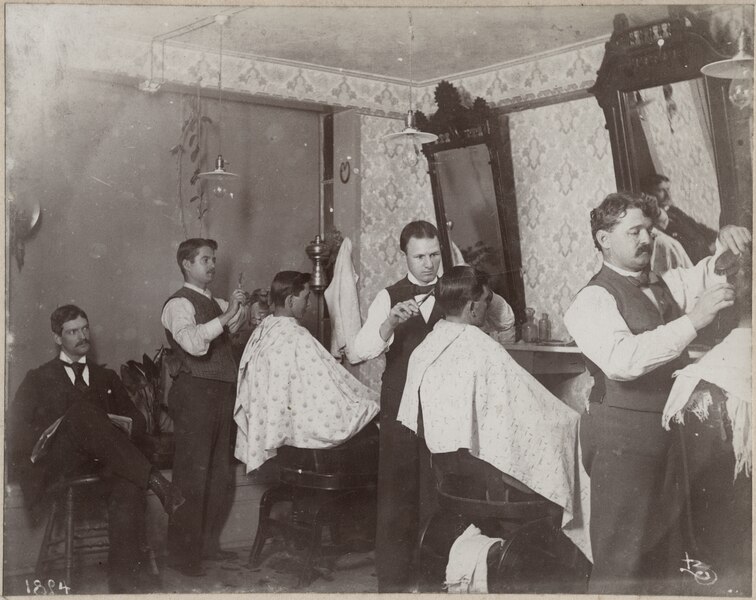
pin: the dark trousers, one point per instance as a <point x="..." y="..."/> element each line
<point x="635" y="508"/>
<point x="406" y="496"/>
<point x="202" y="410"/>
<point x="86" y="434"/>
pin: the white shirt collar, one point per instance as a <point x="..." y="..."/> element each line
<point x="622" y="272"/>
<point x="66" y="359"/>
<point x="415" y="280"/>
<point x="206" y="293"/>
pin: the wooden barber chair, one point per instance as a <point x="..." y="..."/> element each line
<point x="326" y="489"/>
<point x="536" y="557"/>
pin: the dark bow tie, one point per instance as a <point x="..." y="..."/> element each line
<point x="642" y="279"/>
<point x="423" y="289"/>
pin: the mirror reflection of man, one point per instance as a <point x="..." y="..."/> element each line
<point x="696" y="238"/>
<point x="398" y="320"/>
<point x="633" y="328"/>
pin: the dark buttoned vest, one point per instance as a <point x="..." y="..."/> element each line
<point x="647" y="393"/>
<point x="407" y="337"/>
<point x="218" y="362"/>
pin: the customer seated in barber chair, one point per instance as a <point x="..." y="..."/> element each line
<point x="710" y="403"/>
<point x="484" y="416"/>
<point x="291" y="391"/>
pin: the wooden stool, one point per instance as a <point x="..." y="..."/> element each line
<point x="73" y="542"/>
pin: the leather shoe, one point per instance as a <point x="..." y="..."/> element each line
<point x="221" y="555"/>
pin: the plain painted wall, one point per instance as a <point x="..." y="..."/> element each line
<point x="95" y="155"/>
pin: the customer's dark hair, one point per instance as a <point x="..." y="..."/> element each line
<point x="458" y="286"/>
<point x="63" y="314"/>
<point x="287" y="283"/>
<point x="188" y="250"/>
<point x="615" y="206"/>
<point x="649" y="182"/>
<point x="417" y="229"/>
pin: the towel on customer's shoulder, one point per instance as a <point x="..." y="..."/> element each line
<point x="343" y="303"/>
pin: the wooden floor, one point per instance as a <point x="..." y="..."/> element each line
<point x="350" y="573"/>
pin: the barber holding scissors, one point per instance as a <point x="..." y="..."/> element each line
<point x="398" y="320"/>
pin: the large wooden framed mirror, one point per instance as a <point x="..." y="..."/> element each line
<point x="472" y="181"/>
<point x="664" y="117"/>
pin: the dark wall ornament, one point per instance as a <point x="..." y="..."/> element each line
<point x="23" y="223"/>
<point x="345" y="170"/>
<point x="454" y="120"/>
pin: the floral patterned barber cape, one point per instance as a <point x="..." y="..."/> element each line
<point x="291" y="391"/>
<point x="474" y="395"/>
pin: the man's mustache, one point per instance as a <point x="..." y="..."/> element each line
<point x="83" y="343"/>
<point x="642" y="249"/>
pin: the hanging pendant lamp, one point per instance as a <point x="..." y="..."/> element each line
<point x="739" y="69"/>
<point x="219" y="178"/>
<point x="410" y="137"/>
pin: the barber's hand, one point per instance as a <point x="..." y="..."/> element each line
<point x="403" y="311"/>
<point x="234" y="304"/>
<point x="736" y="239"/>
<point x="399" y="314"/>
<point x="710" y="303"/>
<point x="662" y="220"/>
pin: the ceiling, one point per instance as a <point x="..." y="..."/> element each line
<point x="368" y="40"/>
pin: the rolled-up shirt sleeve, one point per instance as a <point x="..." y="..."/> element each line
<point x="602" y="335"/>
<point x="368" y="342"/>
<point x="178" y="317"/>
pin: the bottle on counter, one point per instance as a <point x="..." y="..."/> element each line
<point x="530" y="327"/>
<point x="544" y="328"/>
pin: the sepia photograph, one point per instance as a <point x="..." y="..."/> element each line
<point x="377" y="298"/>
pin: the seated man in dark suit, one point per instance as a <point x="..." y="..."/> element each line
<point x="78" y="395"/>
<point x="696" y="238"/>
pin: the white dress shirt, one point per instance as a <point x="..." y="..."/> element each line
<point x="369" y="344"/>
<point x="178" y="318"/>
<point x="602" y="335"/>
<point x="69" y="370"/>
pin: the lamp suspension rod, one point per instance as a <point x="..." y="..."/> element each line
<point x="411" y="37"/>
<point x="220" y="88"/>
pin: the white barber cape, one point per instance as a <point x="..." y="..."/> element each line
<point x="474" y="395"/>
<point x="291" y="391"/>
<point x="728" y="366"/>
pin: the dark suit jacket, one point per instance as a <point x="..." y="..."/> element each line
<point x="45" y="394"/>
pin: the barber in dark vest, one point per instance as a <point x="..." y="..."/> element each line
<point x="398" y="320"/>
<point x="633" y="328"/>
<point x="201" y="398"/>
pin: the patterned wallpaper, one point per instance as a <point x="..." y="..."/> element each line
<point x="563" y="168"/>
<point x="392" y="196"/>
<point x="543" y="77"/>
<point x="681" y="148"/>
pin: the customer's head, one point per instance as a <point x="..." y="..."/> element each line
<point x="289" y="294"/>
<point x="422" y="250"/>
<point x="464" y="295"/>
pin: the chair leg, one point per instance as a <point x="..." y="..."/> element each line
<point x="69" y="535"/>
<point x="269" y="499"/>
<point x="305" y="576"/>
<point x="45" y="547"/>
